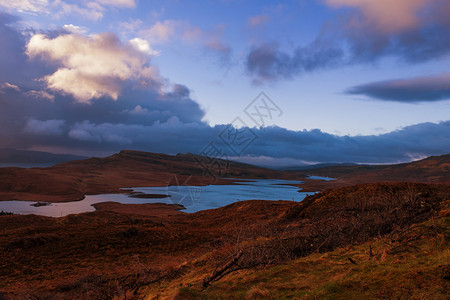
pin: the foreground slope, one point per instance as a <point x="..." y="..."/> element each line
<point x="410" y="264"/>
<point x="151" y="253"/>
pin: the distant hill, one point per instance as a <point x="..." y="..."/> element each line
<point x="13" y="156"/>
<point x="70" y="181"/>
<point x="73" y="180"/>
<point x="316" y="166"/>
<point x="434" y="169"/>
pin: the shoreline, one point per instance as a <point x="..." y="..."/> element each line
<point x="126" y="198"/>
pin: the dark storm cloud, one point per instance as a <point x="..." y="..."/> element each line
<point x="424" y="89"/>
<point x="268" y="63"/>
<point x="98" y="128"/>
<point x="14" y="66"/>
<point x="314" y="145"/>
<point x="24" y="118"/>
<point x="429" y="40"/>
<point x="351" y="39"/>
<point x="174" y="136"/>
<point x="33" y="116"/>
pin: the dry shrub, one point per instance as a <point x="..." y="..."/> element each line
<point x="258" y="292"/>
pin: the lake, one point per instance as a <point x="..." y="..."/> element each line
<point x="320" y="178"/>
<point x="194" y="198"/>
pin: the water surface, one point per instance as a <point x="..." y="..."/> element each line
<point x="194" y="198"/>
<point x="320" y="178"/>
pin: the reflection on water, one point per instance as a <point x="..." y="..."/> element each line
<point x="194" y="198"/>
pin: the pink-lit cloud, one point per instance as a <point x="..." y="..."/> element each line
<point x="178" y="30"/>
<point x="411" y="31"/>
<point x="92" y="66"/>
<point x="7" y="85"/>
<point x="387" y="15"/>
<point x="258" y="20"/>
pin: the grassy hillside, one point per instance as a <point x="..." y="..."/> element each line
<point x="274" y="247"/>
<point x="432" y="169"/>
<point x="408" y="264"/>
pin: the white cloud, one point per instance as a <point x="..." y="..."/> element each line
<point x="25" y="6"/>
<point x="47" y="127"/>
<point x="139" y="110"/>
<point x="92" y="66"/>
<point x="143" y="46"/>
<point x="75" y="29"/>
<point x="118" y="3"/>
<point x="92" y="11"/>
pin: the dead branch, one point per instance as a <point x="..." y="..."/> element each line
<point x="222" y="269"/>
<point x="352" y="261"/>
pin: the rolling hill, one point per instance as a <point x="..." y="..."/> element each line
<point x="70" y="181"/>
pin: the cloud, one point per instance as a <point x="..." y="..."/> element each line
<point x="213" y="41"/>
<point x="161" y="32"/>
<point x="171" y="123"/>
<point x="47" y="127"/>
<point x="143" y="46"/>
<point x="154" y="119"/>
<point x="106" y="132"/>
<point x="420" y="89"/>
<point x="133" y="119"/>
<point x="92" y="66"/>
<point x="7" y="85"/>
<point x="130" y="26"/>
<point x="386" y="15"/>
<point x="174" y="136"/>
<point x="92" y="10"/>
<point x="258" y="20"/>
<point x="139" y="110"/>
<point x="40" y="94"/>
<point x="29" y="106"/>
<point x="177" y="30"/>
<point x="267" y="62"/>
<point x="12" y="56"/>
<point x="412" y="31"/>
<point x="405" y="144"/>
<point x="75" y="29"/>
<point x="118" y="3"/>
<point x="25" y="6"/>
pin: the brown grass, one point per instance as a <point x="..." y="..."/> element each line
<point x="109" y="253"/>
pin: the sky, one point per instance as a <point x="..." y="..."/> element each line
<point x="266" y="82"/>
